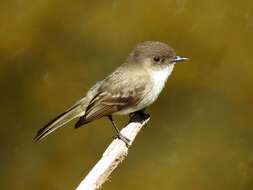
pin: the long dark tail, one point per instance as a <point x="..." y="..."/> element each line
<point x="75" y="111"/>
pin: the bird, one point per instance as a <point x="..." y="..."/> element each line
<point x="131" y="88"/>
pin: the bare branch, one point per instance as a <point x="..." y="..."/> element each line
<point x="114" y="154"/>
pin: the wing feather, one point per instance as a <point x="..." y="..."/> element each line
<point x="117" y="92"/>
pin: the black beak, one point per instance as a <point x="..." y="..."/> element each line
<point x="178" y="58"/>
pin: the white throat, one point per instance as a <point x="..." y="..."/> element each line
<point x="159" y="79"/>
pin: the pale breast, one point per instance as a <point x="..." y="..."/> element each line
<point x="159" y="80"/>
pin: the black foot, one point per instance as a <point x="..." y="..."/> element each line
<point x="132" y="114"/>
<point x="143" y="115"/>
<point x="140" y="113"/>
<point x="123" y="138"/>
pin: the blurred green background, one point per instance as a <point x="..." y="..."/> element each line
<point x="200" y="132"/>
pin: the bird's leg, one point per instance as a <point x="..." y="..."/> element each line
<point x="119" y="135"/>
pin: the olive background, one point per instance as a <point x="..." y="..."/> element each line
<point x="200" y="132"/>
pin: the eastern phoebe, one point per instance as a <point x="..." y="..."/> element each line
<point x="132" y="87"/>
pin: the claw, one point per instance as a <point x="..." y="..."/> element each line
<point x="124" y="139"/>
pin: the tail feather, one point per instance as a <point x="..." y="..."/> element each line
<point x="76" y="111"/>
<point x="82" y="121"/>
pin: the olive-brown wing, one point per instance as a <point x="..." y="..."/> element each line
<point x="113" y="98"/>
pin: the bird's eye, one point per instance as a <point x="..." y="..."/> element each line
<point x="157" y="59"/>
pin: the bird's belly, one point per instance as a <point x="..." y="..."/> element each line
<point x="128" y="110"/>
<point x="145" y="102"/>
<point x="159" y="80"/>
